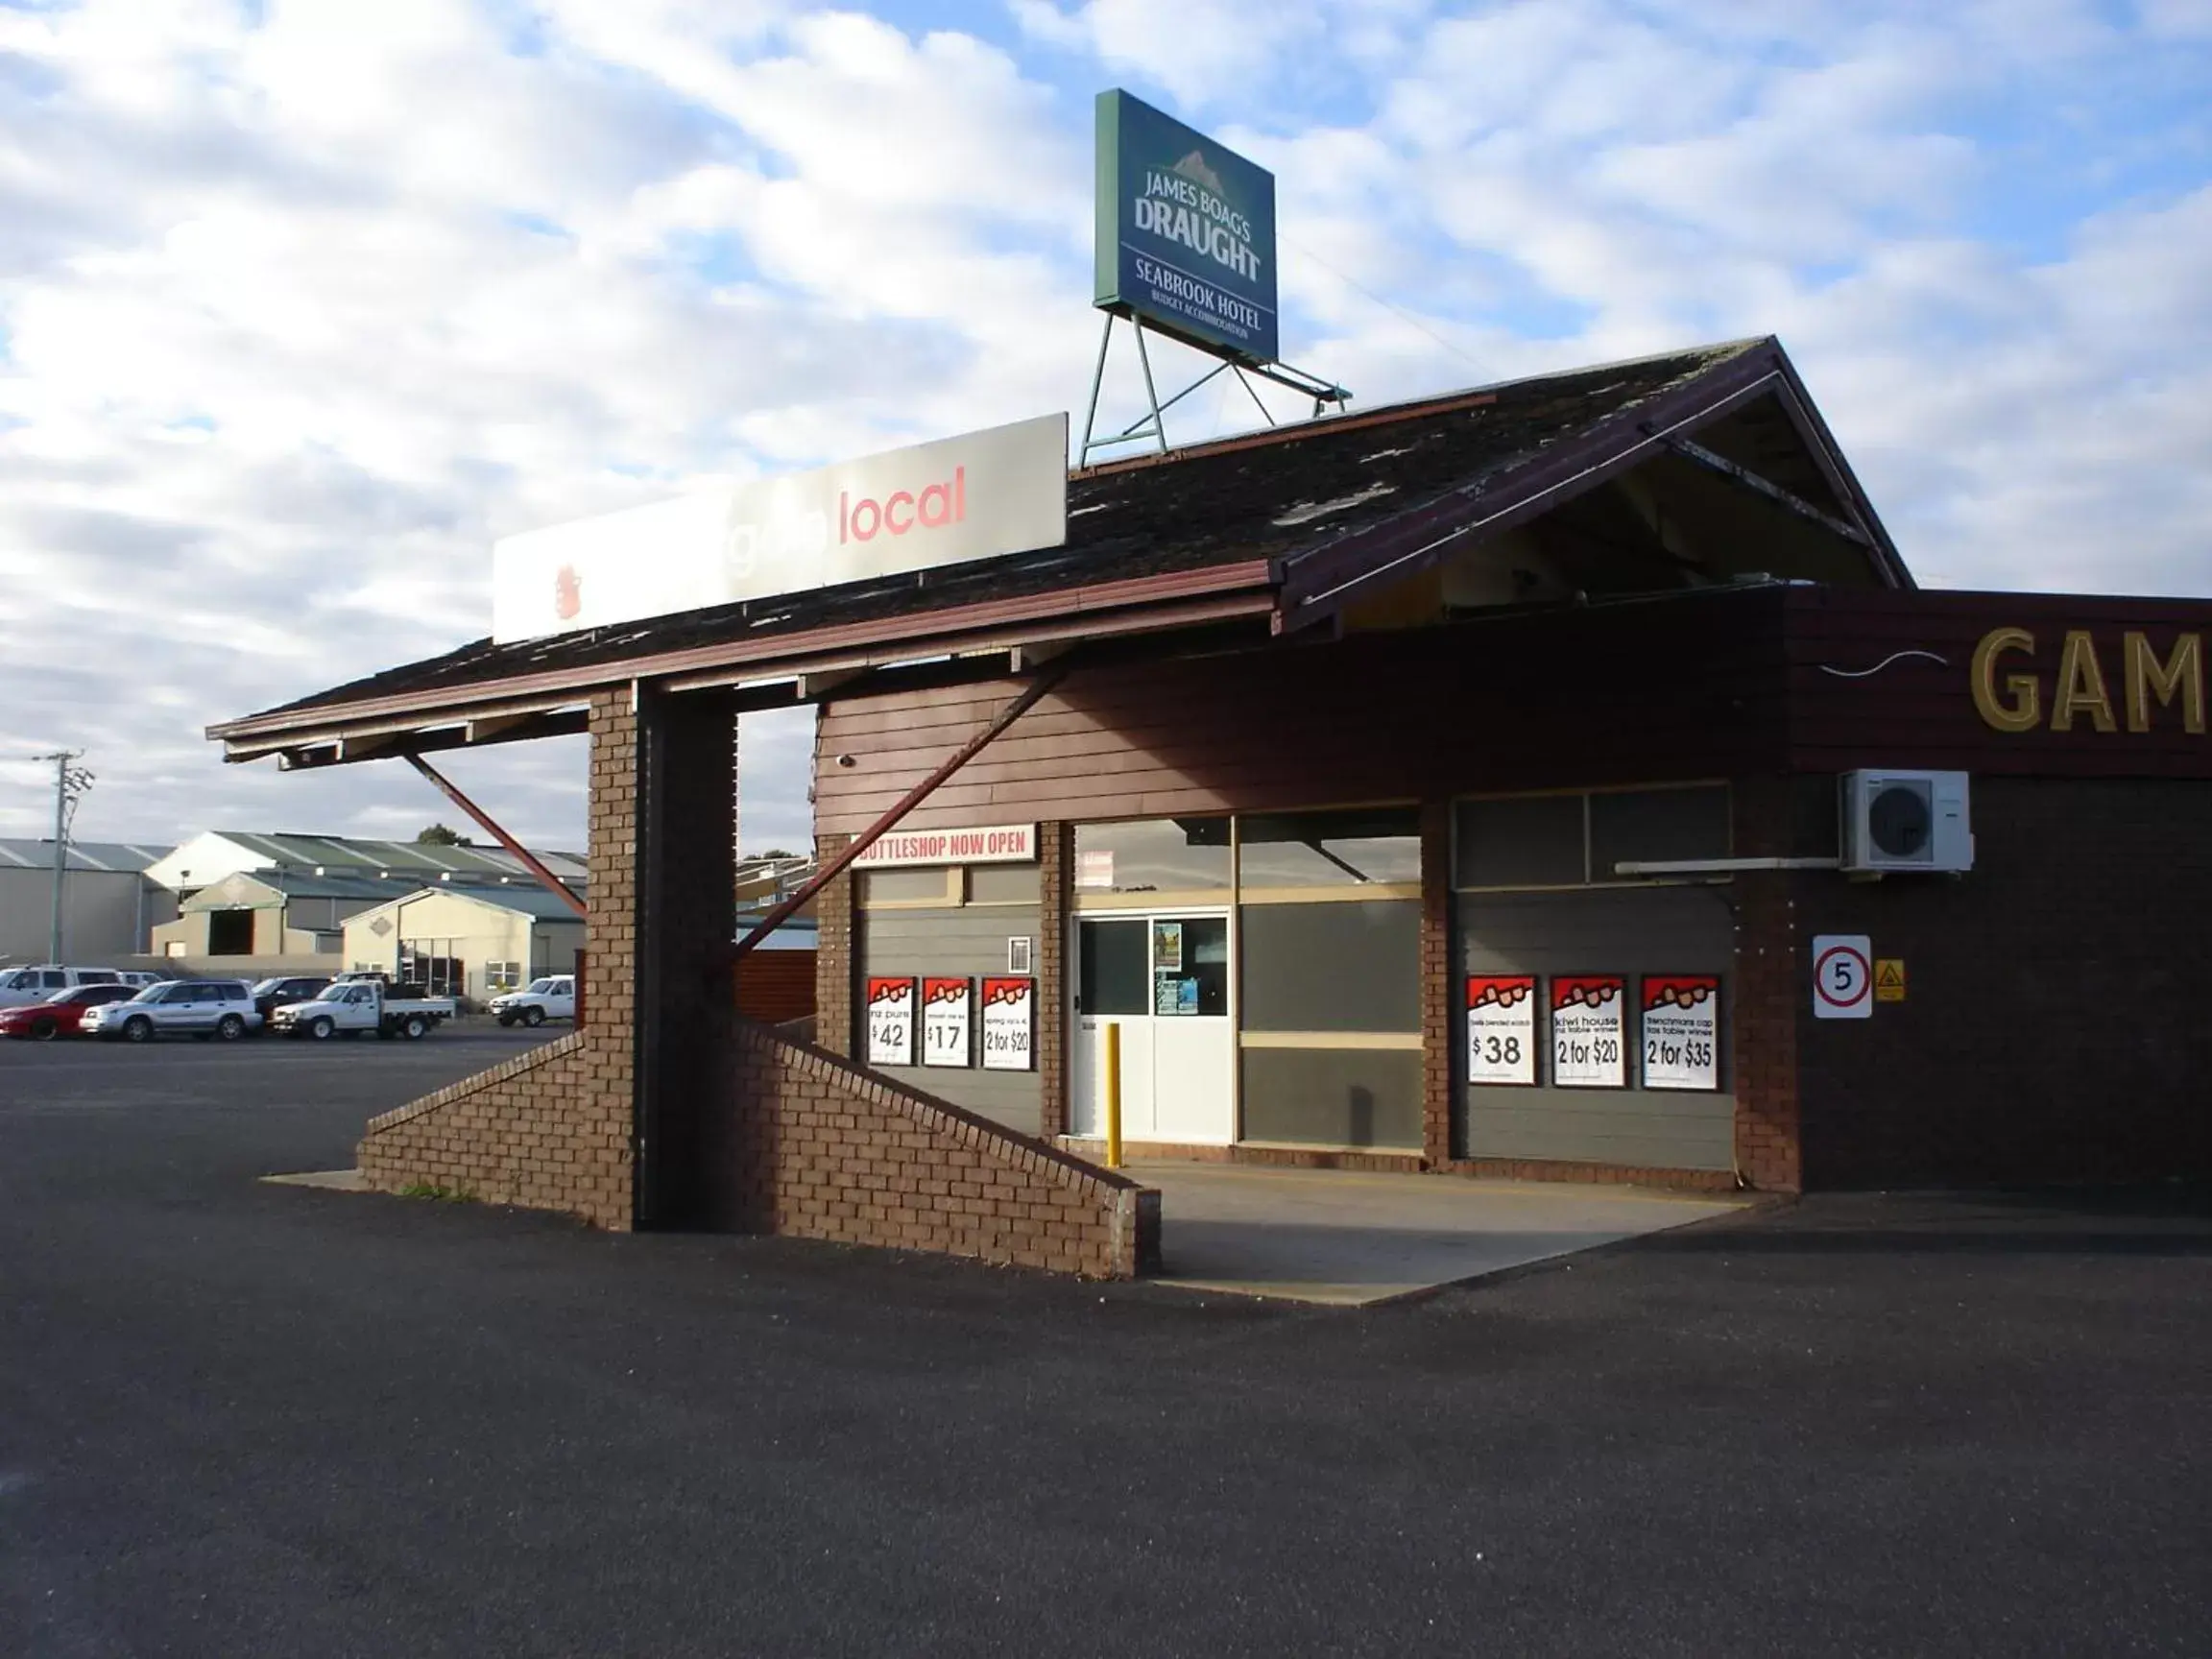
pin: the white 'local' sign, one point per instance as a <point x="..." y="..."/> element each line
<point x="984" y="844"/>
<point x="975" y="496"/>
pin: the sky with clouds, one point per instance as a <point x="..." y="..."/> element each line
<point x="304" y="302"/>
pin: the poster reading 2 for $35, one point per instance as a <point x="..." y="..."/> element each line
<point x="1589" y="1031"/>
<point x="1502" y="1028"/>
<point x="1681" y="1031"/>
<point x="945" y="1013"/>
<point x="890" y="1021"/>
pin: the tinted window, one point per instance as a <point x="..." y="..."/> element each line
<point x="1330" y="848"/>
<point x="53" y="981"/>
<point x="95" y="977"/>
<point x="1525" y="841"/>
<point x="1656" y="826"/>
<point x="1156" y="856"/>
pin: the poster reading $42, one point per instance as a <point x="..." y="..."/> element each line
<point x="1682" y="1031"/>
<point x="1009" y="1024"/>
<point x="1502" y="1028"/>
<point x="890" y="1021"/>
<point x="1589" y="1031"/>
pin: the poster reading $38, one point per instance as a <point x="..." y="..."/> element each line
<point x="1681" y="1031"/>
<point x="1589" y="1031"/>
<point x="890" y="1021"/>
<point x="1009" y="1024"/>
<point x="1502" y="1028"/>
<point x="945" y="1015"/>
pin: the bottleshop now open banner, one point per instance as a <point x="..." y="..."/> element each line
<point x="1186" y="233"/>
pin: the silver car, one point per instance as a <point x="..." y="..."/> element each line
<point x="219" y="1008"/>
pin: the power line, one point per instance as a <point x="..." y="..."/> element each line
<point x="1398" y="311"/>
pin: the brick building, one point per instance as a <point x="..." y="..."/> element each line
<point x="1458" y="787"/>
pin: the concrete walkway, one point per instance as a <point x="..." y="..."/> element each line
<point x="1352" y="1239"/>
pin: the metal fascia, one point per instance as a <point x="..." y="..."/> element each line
<point x="558" y="687"/>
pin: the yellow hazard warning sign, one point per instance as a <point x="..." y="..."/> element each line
<point x="1889" y="979"/>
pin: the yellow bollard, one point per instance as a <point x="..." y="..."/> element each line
<point x="1112" y="1095"/>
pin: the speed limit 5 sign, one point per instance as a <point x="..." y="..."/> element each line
<point x="1842" y="976"/>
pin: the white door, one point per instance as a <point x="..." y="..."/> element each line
<point x="1164" y="980"/>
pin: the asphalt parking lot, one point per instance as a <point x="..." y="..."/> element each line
<point x="238" y="1419"/>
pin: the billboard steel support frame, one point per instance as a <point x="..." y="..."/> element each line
<point x="1153" y="424"/>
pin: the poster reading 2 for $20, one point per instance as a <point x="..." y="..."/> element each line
<point x="1682" y="1031"/>
<point x="1589" y="1031"/>
<point x="890" y="1021"/>
<point x="1502" y="1028"/>
<point x="1009" y="1024"/>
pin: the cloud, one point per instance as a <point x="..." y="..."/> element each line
<point x="302" y="306"/>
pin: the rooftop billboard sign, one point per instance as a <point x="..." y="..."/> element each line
<point x="948" y="502"/>
<point x="1186" y="240"/>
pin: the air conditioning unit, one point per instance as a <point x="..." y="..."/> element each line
<point x="1907" y="821"/>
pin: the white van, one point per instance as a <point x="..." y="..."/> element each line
<point x="21" y="985"/>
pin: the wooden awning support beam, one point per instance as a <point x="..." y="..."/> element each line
<point x="913" y="798"/>
<point x="531" y="863"/>
<point x="1714" y="462"/>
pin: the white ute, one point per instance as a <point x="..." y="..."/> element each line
<point x="552" y="997"/>
<point x="351" y="1007"/>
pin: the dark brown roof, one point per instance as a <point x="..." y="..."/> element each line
<point x="1261" y="502"/>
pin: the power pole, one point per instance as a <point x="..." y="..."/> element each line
<point x="69" y="782"/>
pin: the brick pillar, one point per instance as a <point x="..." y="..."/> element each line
<point x="1768" y="994"/>
<point x="1055" y="871"/>
<point x="687" y="852"/>
<point x="836" y="949"/>
<point x="606" y="1106"/>
<point x="1439" y="1026"/>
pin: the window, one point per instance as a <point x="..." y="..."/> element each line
<point x="1004" y="884"/>
<point x="503" y="975"/>
<point x="1190" y="966"/>
<point x="1580" y="839"/>
<point x="1379" y="847"/>
<point x="936" y="885"/>
<point x="1111" y="969"/>
<point x="1332" y="967"/>
<point x="1152" y="856"/>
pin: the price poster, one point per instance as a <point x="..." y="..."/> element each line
<point x="1681" y="1031"/>
<point x="946" y="1006"/>
<point x="1502" y="1028"/>
<point x="1009" y="1024"/>
<point x="1589" y="1031"/>
<point x="890" y="1021"/>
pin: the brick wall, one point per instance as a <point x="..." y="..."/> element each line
<point x="1440" y="1014"/>
<point x="552" y="1129"/>
<point x="1055" y="876"/>
<point x="835" y="914"/>
<point x="1767" y="990"/>
<point x="818" y="1148"/>
<point x="530" y="1133"/>
<point x="2056" y="1024"/>
<point x="776" y="986"/>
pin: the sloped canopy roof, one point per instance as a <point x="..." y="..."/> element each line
<point x="1275" y="532"/>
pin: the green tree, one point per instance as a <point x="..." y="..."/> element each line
<point x="441" y="835"/>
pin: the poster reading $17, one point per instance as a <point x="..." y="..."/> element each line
<point x="890" y="1021"/>
<point x="1681" y="1031"/>
<point x="945" y="1006"/>
<point x="1502" y="1028"/>
<point x="1009" y="1024"/>
<point x="1589" y="1031"/>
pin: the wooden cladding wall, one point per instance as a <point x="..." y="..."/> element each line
<point x="1848" y="709"/>
<point x="1685" y="687"/>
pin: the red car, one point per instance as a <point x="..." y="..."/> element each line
<point x="61" y="1013"/>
